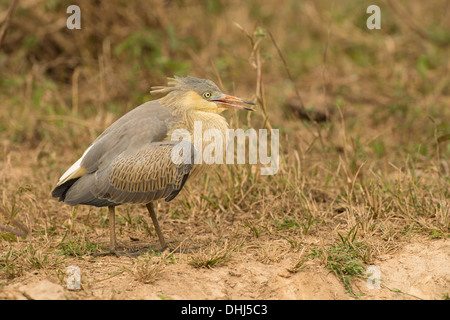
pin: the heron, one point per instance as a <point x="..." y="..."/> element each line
<point x="132" y="160"/>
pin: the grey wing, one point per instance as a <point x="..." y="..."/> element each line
<point x="144" y="124"/>
<point x="141" y="126"/>
<point x="156" y="171"/>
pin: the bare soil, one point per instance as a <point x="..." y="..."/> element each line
<point x="418" y="270"/>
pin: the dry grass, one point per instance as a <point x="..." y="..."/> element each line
<point x="378" y="165"/>
<point x="214" y="255"/>
<point x="149" y="270"/>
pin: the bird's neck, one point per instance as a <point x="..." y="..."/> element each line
<point x="207" y="131"/>
<point x="186" y="116"/>
<point x="208" y="120"/>
<point x="200" y="125"/>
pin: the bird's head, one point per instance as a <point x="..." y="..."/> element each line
<point x="199" y="94"/>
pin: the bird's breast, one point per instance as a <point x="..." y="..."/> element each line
<point x="207" y="132"/>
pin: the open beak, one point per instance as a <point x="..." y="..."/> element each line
<point x="227" y="101"/>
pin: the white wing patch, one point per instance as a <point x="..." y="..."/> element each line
<point x="75" y="171"/>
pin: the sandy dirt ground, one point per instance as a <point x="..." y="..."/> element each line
<point x="418" y="270"/>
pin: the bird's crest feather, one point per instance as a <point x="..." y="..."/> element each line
<point x="187" y="83"/>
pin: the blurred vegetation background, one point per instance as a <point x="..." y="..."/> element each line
<point x="398" y="75"/>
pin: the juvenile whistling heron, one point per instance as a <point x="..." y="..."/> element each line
<point x="130" y="162"/>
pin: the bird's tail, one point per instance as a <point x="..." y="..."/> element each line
<point x="76" y="191"/>
<point x="61" y="190"/>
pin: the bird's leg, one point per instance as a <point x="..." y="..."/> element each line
<point x="151" y="210"/>
<point x="112" y="229"/>
<point x="112" y="238"/>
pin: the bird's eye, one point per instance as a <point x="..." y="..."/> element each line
<point x="207" y="95"/>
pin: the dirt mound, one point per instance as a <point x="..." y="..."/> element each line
<point x="418" y="271"/>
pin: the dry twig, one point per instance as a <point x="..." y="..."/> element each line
<point x="12" y="6"/>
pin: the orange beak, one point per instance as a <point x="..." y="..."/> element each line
<point x="227" y="101"/>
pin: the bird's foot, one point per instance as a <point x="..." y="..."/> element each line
<point x="135" y="253"/>
<point x="174" y="250"/>
<point x="118" y="253"/>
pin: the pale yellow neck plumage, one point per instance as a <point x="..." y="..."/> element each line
<point x="190" y="107"/>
